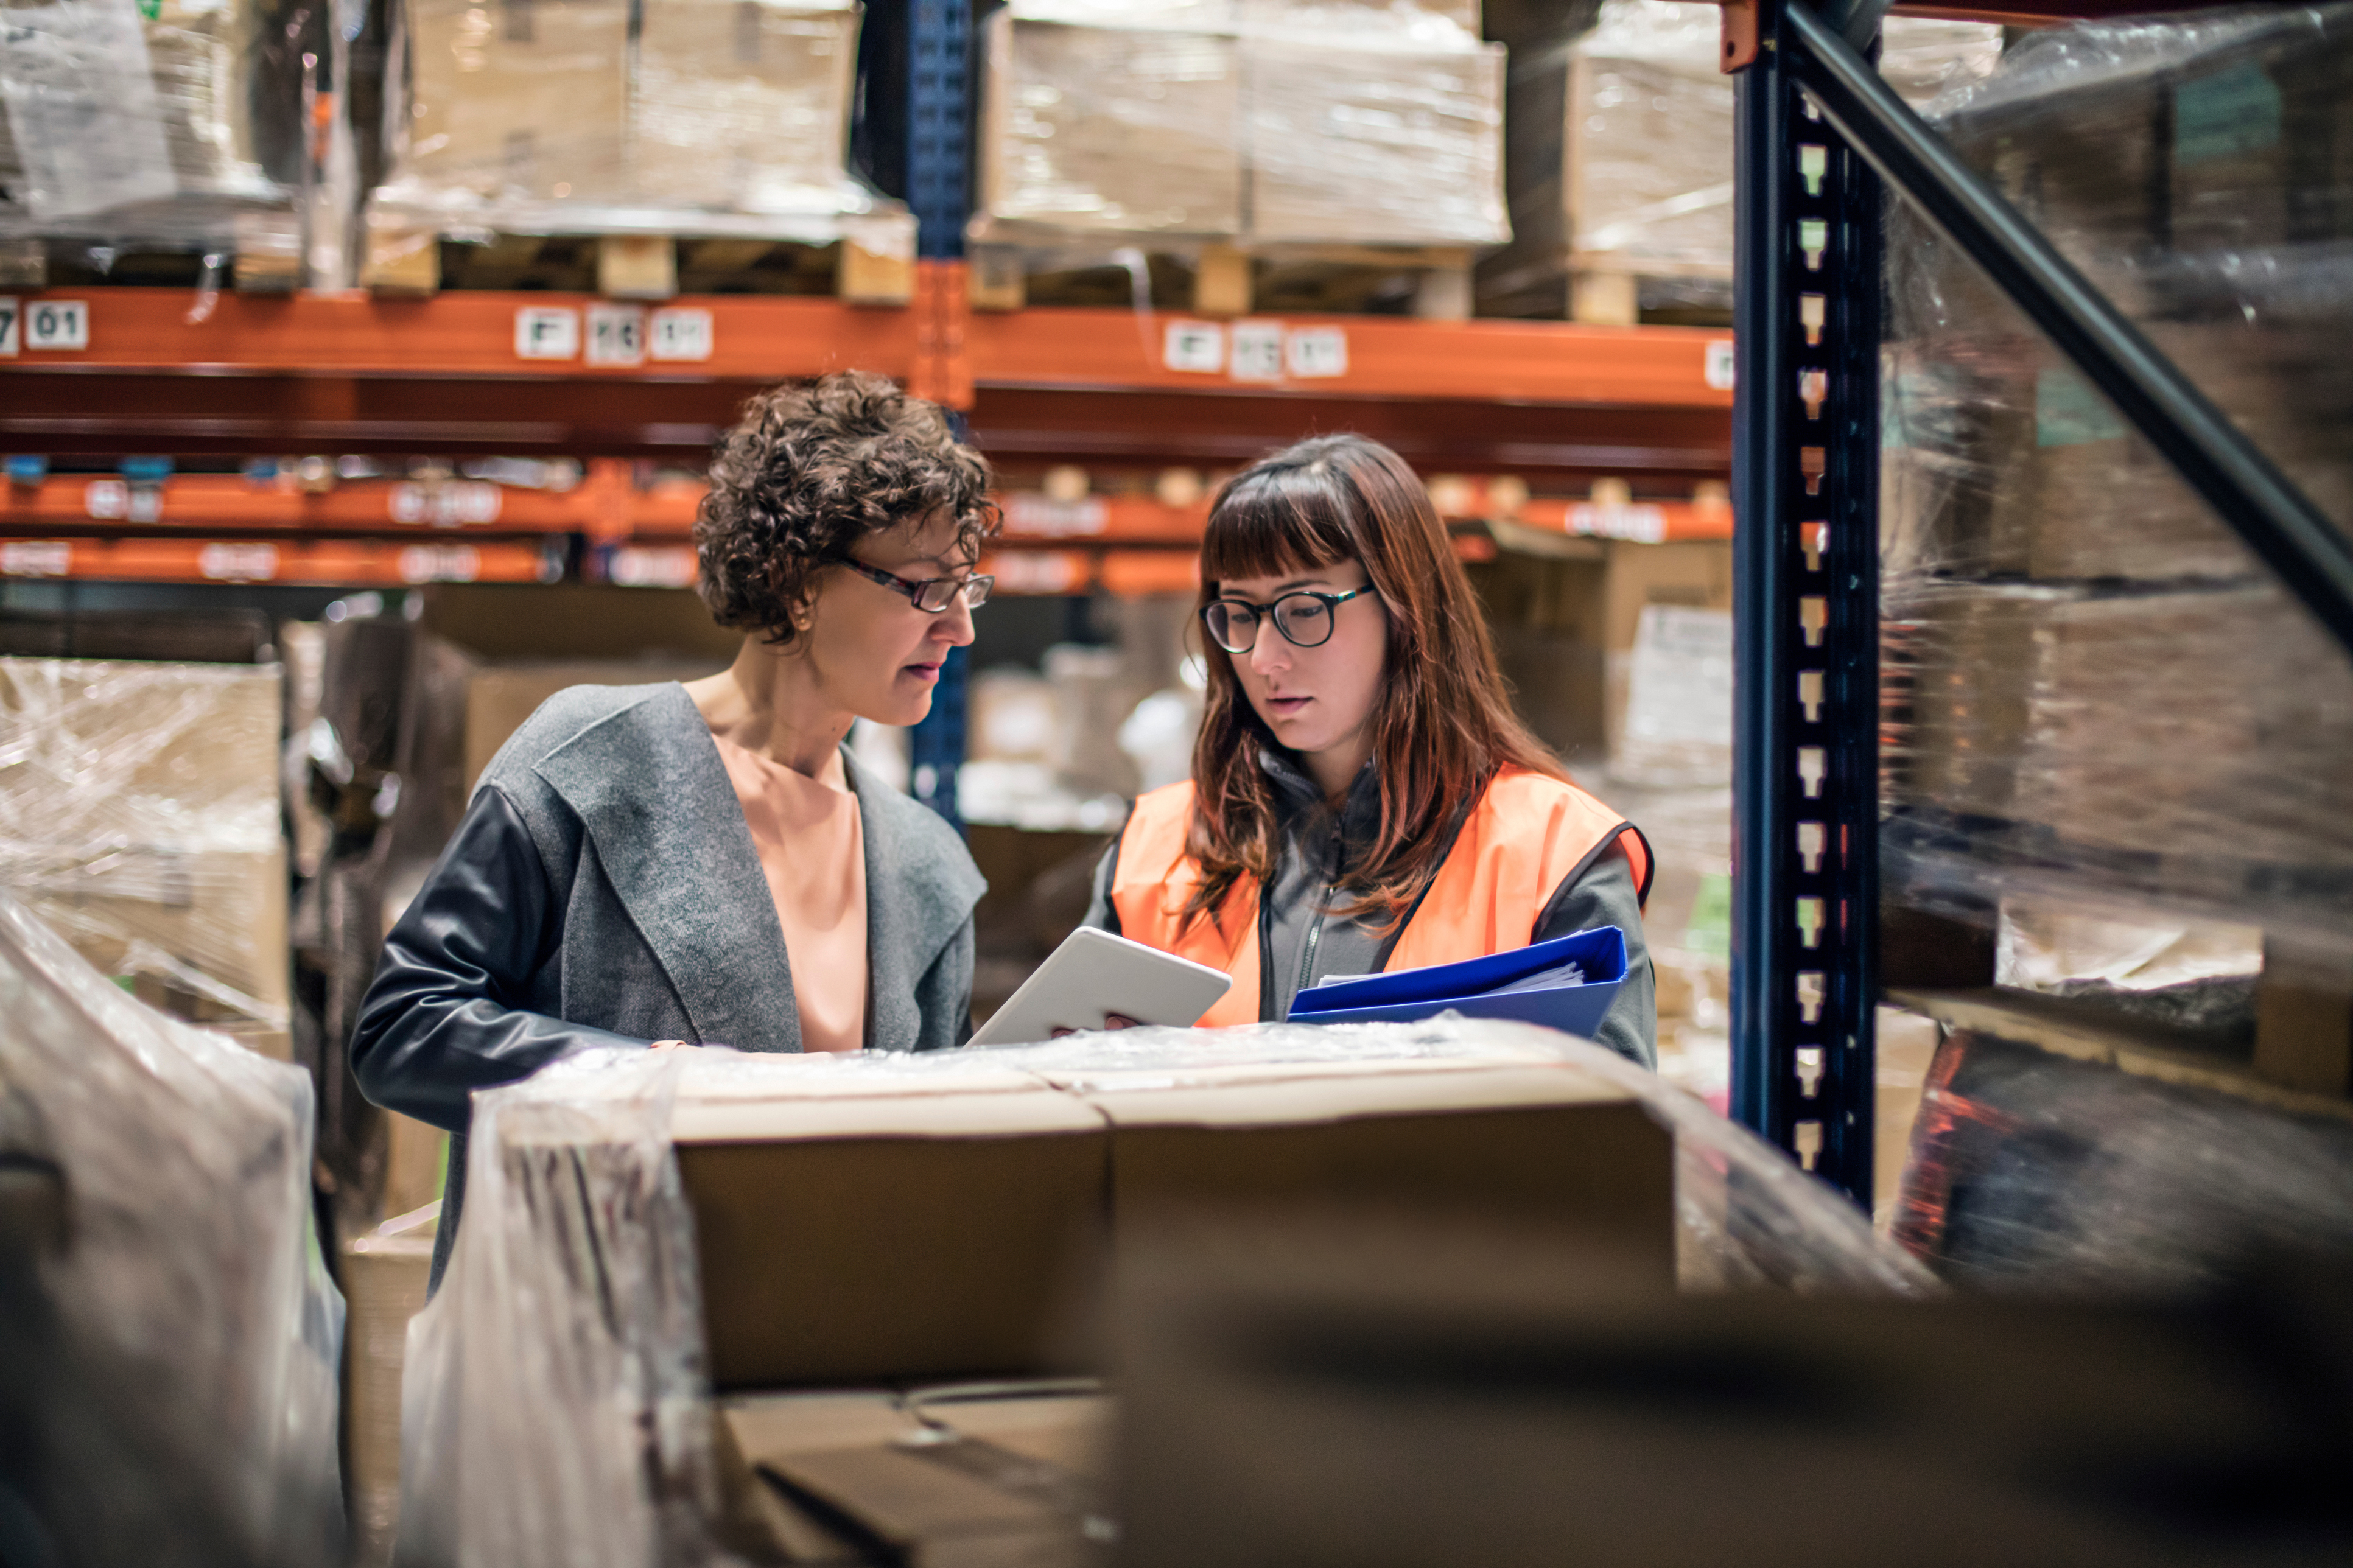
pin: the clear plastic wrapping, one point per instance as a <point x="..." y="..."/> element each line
<point x="2092" y="687"/>
<point x="557" y="1390"/>
<point x="140" y="817"/>
<point x="1271" y="121"/>
<point x="159" y="120"/>
<point x="718" y="117"/>
<point x="175" y="1343"/>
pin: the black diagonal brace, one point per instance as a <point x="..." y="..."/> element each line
<point x="2279" y="523"/>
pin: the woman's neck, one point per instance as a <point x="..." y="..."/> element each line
<point x="769" y="701"/>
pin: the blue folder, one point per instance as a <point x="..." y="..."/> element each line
<point x="1517" y="986"/>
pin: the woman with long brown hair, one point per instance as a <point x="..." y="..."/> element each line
<point x="1363" y="797"/>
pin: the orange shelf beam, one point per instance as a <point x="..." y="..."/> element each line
<point x="334" y="562"/>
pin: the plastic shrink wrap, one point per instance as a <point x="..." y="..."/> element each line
<point x="169" y="1389"/>
<point x="1620" y="150"/>
<point x="139" y="817"/>
<point x="557" y="1392"/>
<point x="718" y="118"/>
<point x="1266" y="120"/>
<point x="178" y="121"/>
<point x="2092" y="689"/>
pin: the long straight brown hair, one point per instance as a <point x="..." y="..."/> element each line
<point x="1442" y="725"/>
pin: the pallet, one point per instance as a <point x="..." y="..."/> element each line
<point x="261" y="253"/>
<point x="1600" y="291"/>
<point x="401" y="259"/>
<point x="1428" y="282"/>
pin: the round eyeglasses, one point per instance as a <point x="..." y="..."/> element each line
<point x="1305" y="618"/>
<point x="931" y="595"/>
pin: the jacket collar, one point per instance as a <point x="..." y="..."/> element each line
<point x="920" y="886"/>
<point x="1300" y="804"/>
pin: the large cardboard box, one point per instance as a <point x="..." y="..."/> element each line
<point x="524" y="101"/>
<point x="744" y="103"/>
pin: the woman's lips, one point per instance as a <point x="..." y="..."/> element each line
<point x="1285" y="707"/>
<point x="924" y="672"/>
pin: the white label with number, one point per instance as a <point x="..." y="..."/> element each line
<point x="1315" y="352"/>
<point x="1719" y="365"/>
<point x="1258" y="351"/>
<point x="680" y="335"/>
<point x="453" y="505"/>
<point x="57" y="324"/>
<point x="11" y="311"/>
<point x="36" y="558"/>
<point x="238" y="563"/>
<point x="617" y="334"/>
<point x="544" y="331"/>
<point x="440" y="564"/>
<point x="108" y="499"/>
<point x="653" y="567"/>
<point x="1198" y="347"/>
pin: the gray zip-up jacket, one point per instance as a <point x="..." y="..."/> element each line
<point x="1300" y="941"/>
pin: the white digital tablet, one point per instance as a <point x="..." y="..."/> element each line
<point x="1094" y="975"/>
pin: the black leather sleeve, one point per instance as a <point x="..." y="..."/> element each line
<point x="441" y="1019"/>
<point x="1102" y="913"/>
<point x="1604" y="895"/>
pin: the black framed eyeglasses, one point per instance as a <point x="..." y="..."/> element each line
<point x="931" y="595"/>
<point x="1305" y="618"/>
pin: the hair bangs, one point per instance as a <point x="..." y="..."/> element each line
<point x="1271" y="521"/>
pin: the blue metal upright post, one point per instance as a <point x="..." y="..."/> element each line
<point x="1805" y="478"/>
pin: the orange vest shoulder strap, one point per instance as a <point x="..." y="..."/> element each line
<point x="1153" y="880"/>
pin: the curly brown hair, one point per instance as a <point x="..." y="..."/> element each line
<point x="810" y="470"/>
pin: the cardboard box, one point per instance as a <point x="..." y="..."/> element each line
<point x="383" y="1276"/>
<point x="1110" y="129"/>
<point x="744" y="103"/>
<point x="528" y="99"/>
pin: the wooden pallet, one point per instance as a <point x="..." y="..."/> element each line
<point x="1599" y="291"/>
<point x="412" y="261"/>
<point x="1429" y="281"/>
<point x="261" y="253"/>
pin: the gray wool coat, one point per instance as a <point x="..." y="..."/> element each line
<point x="604" y="890"/>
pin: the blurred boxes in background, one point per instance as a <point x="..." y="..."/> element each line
<point x="139" y="817"/>
<point x="744" y="103"/>
<point x="531" y="99"/>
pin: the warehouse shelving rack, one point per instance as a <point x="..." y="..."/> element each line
<point x="1821" y="138"/>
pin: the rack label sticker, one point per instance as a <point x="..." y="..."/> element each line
<point x="681" y="334"/>
<point x="652" y="566"/>
<point x="108" y="499"/>
<point x="1718" y="370"/>
<point x="12" y="312"/>
<point x="617" y="334"/>
<point x="36" y="558"/>
<point x="543" y="332"/>
<point x="1042" y="517"/>
<point x="238" y="563"/>
<point x="1316" y="352"/>
<point x="440" y="563"/>
<point x="452" y="505"/>
<point x="1195" y="347"/>
<point x="1258" y="351"/>
<point x="57" y="324"/>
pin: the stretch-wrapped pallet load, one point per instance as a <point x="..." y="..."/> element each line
<point x="1265" y="122"/>
<point x="175" y="122"/>
<point x="1619" y="151"/>
<point x="139" y="817"/>
<point x="624" y="1329"/>
<point x="712" y="118"/>
<point x="2094" y="687"/>
<point x="173" y="1339"/>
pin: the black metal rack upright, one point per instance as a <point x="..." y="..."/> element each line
<point x="1819" y="136"/>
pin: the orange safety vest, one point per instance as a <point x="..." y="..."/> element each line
<point x="1526" y="835"/>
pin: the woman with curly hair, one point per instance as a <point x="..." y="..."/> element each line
<point x="671" y="864"/>
<point x="1363" y="798"/>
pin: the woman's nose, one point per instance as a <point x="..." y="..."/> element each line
<point x="954" y="626"/>
<point x="1272" y="651"/>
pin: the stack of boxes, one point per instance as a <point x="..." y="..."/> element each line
<point x="2084" y="657"/>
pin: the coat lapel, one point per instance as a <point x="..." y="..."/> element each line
<point x="655" y="798"/>
<point x="920" y="886"/>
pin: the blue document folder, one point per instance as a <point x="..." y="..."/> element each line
<point x="1529" y="984"/>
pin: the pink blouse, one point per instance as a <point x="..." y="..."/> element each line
<point x="812" y="847"/>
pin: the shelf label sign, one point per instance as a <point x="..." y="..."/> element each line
<point x="680" y="333"/>
<point x="452" y="505"/>
<point x="440" y="563"/>
<point x="546" y="332"/>
<point x="617" y="334"/>
<point x="1196" y="348"/>
<point x="57" y="325"/>
<point x="238" y="563"/>
<point x="1258" y="351"/>
<point x="1719" y="369"/>
<point x="1042" y="517"/>
<point x="36" y="558"/>
<point x="12" y="315"/>
<point x="1316" y="352"/>
<point x="652" y="566"/>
